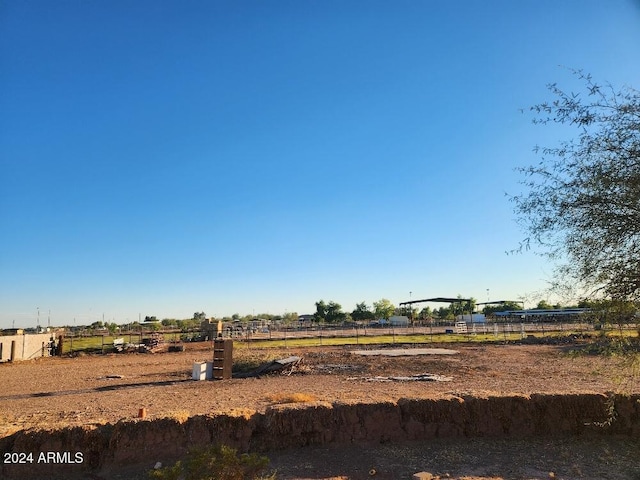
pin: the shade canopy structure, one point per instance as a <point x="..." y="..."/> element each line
<point x="552" y="312"/>
<point x="500" y="302"/>
<point x="439" y="300"/>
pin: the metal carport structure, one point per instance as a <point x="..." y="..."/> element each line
<point x="439" y="300"/>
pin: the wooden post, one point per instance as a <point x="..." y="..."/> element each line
<point x="60" y="349"/>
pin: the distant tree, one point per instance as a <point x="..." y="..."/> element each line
<point x="200" y="316"/>
<point x="290" y="317"/>
<point x="112" y="327"/>
<point x="383" y="308"/>
<point x="461" y="307"/>
<point x="501" y="307"/>
<point x="96" y="326"/>
<point x="425" y="313"/>
<point x="321" y="311"/>
<point x="444" y="313"/>
<point x="362" y="313"/>
<point x="407" y="311"/>
<point x="329" y="312"/>
<point x="588" y="303"/>
<point x="169" y="322"/>
<point x="543" y="305"/>
<point x="581" y="205"/>
<point x="335" y="313"/>
<point x="155" y="326"/>
<point x="187" y="325"/>
<point x="613" y="312"/>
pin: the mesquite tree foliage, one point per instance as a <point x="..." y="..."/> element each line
<point x="581" y="205"/>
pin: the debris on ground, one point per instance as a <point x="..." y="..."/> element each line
<point x="118" y="344"/>
<point x="284" y="366"/>
<point x="422" y="377"/>
<point x="153" y="344"/>
<point x="336" y="367"/>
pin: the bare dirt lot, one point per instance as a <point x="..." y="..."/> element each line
<point x="59" y="392"/>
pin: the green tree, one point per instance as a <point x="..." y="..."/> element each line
<point x="581" y="204"/>
<point x="335" y="313"/>
<point x="111" y="327"/>
<point x="444" y="313"/>
<point x="501" y="307"/>
<point x="362" y="313"/>
<point x="383" y="308"/>
<point x="463" y="306"/>
<point x="543" y="305"/>
<point x="290" y="317"/>
<point x="425" y="313"/>
<point x="154" y="327"/>
<point x="406" y="310"/>
<point x="612" y="312"/>
<point x="169" y="322"/>
<point x="320" y="314"/>
<point x="186" y="325"/>
<point x="96" y="326"/>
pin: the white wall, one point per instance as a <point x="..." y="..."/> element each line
<point x="26" y="346"/>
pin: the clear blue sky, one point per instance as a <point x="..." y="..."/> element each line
<point x="162" y="157"/>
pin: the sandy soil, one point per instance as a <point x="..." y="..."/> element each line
<point x="56" y="392"/>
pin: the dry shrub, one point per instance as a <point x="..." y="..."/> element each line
<point x="218" y="462"/>
<point x="291" y="398"/>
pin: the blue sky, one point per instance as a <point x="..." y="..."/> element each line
<point x="162" y="158"/>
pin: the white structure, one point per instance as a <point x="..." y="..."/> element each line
<point x="475" y="318"/>
<point x="461" y="327"/>
<point x="202" y="371"/>
<point x="399" y="321"/>
<point x="26" y="346"/>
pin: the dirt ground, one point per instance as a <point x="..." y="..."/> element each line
<point x="57" y="392"/>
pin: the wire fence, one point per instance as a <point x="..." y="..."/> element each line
<point x="318" y="334"/>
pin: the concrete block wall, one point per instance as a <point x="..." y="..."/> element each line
<point x="25" y="347"/>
